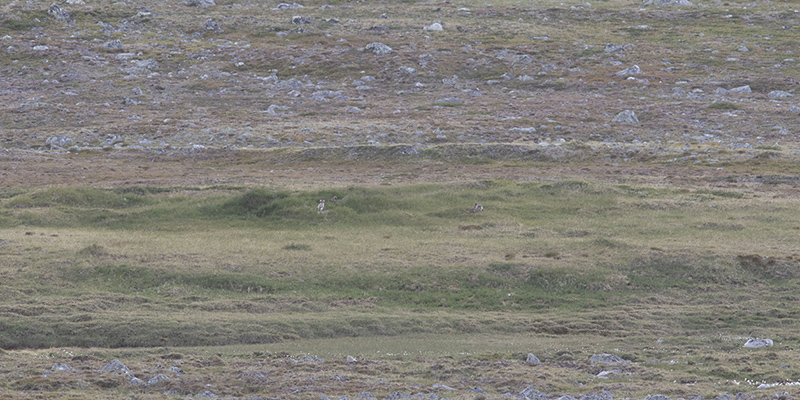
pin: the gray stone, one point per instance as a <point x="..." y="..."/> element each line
<point x="741" y="89"/>
<point x="448" y="100"/>
<point x="156" y="379"/>
<point x="57" y="12"/>
<point x="58" y="141"/>
<point x="115" y="44"/>
<point x="615" y="48"/>
<point x="604" y="375"/>
<point x="607" y="358"/>
<point x="779" y="94"/>
<point x="364" y="395"/>
<point x="353" y="109"/>
<point x="212" y="25"/>
<point x="625" y="117"/>
<point x="397" y="396"/>
<point x="276" y="110"/>
<point x="114" y="366"/>
<point x="408" y="70"/>
<point x="351" y="360"/>
<point x="298" y="20"/>
<point x="138" y="91"/>
<point x="442" y="386"/>
<point x="634" y="70"/>
<point x="532" y="359"/>
<point x="136" y="381"/>
<point x="667" y="3"/>
<point x="60" y="367"/>
<point x="755" y="343"/>
<point x="149" y="63"/>
<point x="201" y="3"/>
<point x="312" y="359"/>
<point x="378" y="48"/>
<point x="290" y="83"/>
<point x="434" y="27"/>
<point x="523" y="59"/>
<point x="284" y="6"/>
<point x="530" y="393"/>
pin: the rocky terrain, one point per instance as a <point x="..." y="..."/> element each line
<point x="201" y="93"/>
<point x="702" y="78"/>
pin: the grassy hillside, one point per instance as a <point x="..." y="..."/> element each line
<point x="212" y="266"/>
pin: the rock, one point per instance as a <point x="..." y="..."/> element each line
<point x="634" y="70"/>
<point x="532" y="359"/>
<point x="607" y="358"/>
<point x="41" y="48"/>
<point x="149" y="63"/>
<point x="353" y="109"/>
<point x="779" y="94"/>
<point x="625" y="117"/>
<point x="284" y="6"/>
<point x="442" y="386"/>
<point x="549" y="67"/>
<point x="136" y="381"/>
<point x="667" y="3"/>
<point x="351" y="360"/>
<point x="138" y="91"/>
<point x="276" y="110"/>
<point x="657" y="397"/>
<point x="298" y="20"/>
<point x="605" y="374"/>
<point x="364" y="395"/>
<point x="523" y="59"/>
<point x="157" y="378"/>
<point x="615" y="48"/>
<point x="530" y="393"/>
<point x="201" y="3"/>
<point x="312" y="359"/>
<point x="794" y="108"/>
<point x="207" y="394"/>
<point x="378" y="48"/>
<point x="743" y="49"/>
<point x="720" y="90"/>
<point x="57" y="12"/>
<point x="526" y="130"/>
<point x="476" y="390"/>
<point x="58" y="142"/>
<point x="112" y="141"/>
<point x="408" y="70"/>
<point x="60" y="366"/>
<point x="114" y="366"/>
<point x="290" y="83"/>
<point x="434" y="27"/>
<point x="755" y="343"/>
<point x="398" y="396"/>
<point x="212" y="25"/>
<point x="448" y="100"/>
<point x="115" y="44"/>
<point x="741" y="89"/>
<point x="176" y="370"/>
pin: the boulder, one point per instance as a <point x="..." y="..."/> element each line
<point x="378" y="48"/>
<point x="779" y="94"/>
<point x="57" y="12"/>
<point x="114" y="366"/>
<point x="634" y="70"/>
<point x="741" y="89"/>
<point x="626" y="117"/>
<point x="606" y="359"/>
<point x="755" y="343"/>
<point x="532" y="359"/>
<point x="434" y="27"/>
